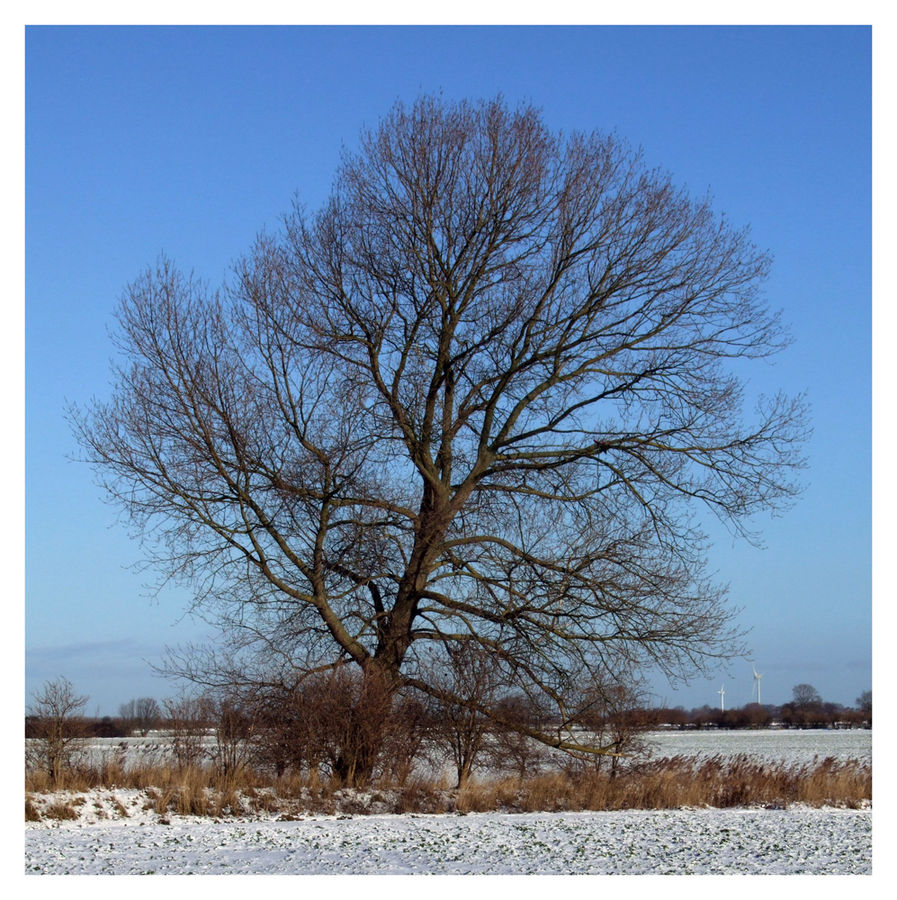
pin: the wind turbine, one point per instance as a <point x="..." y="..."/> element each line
<point x="722" y="698"/>
<point x="757" y="677"/>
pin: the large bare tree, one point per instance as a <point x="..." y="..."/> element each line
<point x="481" y="397"/>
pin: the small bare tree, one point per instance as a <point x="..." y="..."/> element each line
<point x="188" y="720"/>
<point x="805" y="696"/>
<point x="142" y="714"/>
<point x="611" y="713"/>
<point x="58" y="729"/>
<point x="805" y="709"/>
<point x="281" y="733"/>
<point x="467" y="684"/>
<point x="346" y="718"/>
<point x="864" y="705"/>
<point x="512" y="747"/>
<point x="235" y="730"/>
<point x="405" y="738"/>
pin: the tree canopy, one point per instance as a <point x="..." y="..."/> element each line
<point x="479" y="398"/>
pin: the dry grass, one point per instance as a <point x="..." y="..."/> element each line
<point x="679" y="782"/>
<point x="60" y="811"/>
<point x="662" y="784"/>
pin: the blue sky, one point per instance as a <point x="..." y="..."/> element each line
<point x="188" y="141"/>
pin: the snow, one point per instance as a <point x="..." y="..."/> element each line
<point x="118" y="832"/>
<point x="797" y="840"/>
<point x="792" y="747"/>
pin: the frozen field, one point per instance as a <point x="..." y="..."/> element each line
<point x="680" y="842"/>
<point x="791" y="746"/>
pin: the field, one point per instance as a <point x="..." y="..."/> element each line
<point x="789" y="746"/>
<point x="745" y="841"/>
<point x="117" y="832"/>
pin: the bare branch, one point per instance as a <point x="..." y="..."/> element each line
<point x="484" y="394"/>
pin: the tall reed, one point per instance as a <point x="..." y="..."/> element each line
<point x="667" y="783"/>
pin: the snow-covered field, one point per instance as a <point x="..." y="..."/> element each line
<point x="793" y="747"/>
<point x="114" y="834"/>
<point x="739" y="841"/>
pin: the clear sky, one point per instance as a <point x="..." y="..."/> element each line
<point x="188" y="141"/>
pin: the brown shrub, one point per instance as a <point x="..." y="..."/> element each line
<point x="60" y="811"/>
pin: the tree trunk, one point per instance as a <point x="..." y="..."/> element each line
<point x="368" y="720"/>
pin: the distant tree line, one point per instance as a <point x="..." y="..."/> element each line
<point x="806" y="709"/>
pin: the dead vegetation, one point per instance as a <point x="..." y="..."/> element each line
<point x="667" y="783"/>
<point x="678" y="782"/>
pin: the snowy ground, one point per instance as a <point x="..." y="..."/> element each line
<point x="741" y="841"/>
<point x="115" y="834"/>
<point x="793" y="747"/>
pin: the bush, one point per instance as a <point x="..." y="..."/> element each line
<point x="188" y="722"/>
<point x="60" y="811"/>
